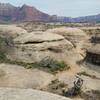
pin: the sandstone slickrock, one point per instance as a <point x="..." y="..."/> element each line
<point x="11" y="30"/>
<point x="91" y="95"/>
<point x="38" y="37"/>
<point x="89" y="82"/>
<point x="93" y="53"/>
<point x="19" y="77"/>
<point x="68" y="31"/>
<point x="74" y="35"/>
<point x="95" y="49"/>
<point x="27" y="94"/>
<point x="33" y="47"/>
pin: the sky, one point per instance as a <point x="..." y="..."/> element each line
<point x="69" y="8"/>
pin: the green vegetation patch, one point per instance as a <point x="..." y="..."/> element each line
<point x="47" y="64"/>
<point x="2" y="49"/>
<point x="53" y="64"/>
<point x="5" y="44"/>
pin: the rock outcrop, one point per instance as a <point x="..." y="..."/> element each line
<point x="19" y="77"/>
<point x="93" y="53"/>
<point x="9" y="12"/>
<point x="96" y="39"/>
<point x="74" y="35"/>
<point x="38" y="37"/>
<point x="27" y="94"/>
<point x="11" y="30"/>
<point x="33" y="47"/>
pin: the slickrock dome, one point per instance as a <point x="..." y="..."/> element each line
<point x="93" y="54"/>
<point x="27" y="94"/>
<point x="11" y="30"/>
<point x="33" y="47"/>
<point x="67" y="31"/>
<point x="38" y="37"/>
<point x="15" y="76"/>
<point x="74" y="35"/>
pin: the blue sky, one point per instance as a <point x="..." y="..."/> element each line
<point x="70" y="8"/>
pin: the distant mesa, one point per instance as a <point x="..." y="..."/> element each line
<point x="9" y="12"/>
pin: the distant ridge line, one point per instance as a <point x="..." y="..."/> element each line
<point x="9" y="12"/>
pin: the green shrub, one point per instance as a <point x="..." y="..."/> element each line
<point x="5" y="44"/>
<point x="48" y="63"/>
<point x="2" y="57"/>
<point x="53" y="64"/>
<point x="2" y="49"/>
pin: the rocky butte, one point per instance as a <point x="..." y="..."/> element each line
<point x="25" y="13"/>
<point x="9" y="12"/>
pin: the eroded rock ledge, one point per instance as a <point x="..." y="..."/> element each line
<point x="32" y="47"/>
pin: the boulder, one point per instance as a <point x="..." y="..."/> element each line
<point x="95" y="49"/>
<point x="92" y="58"/>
